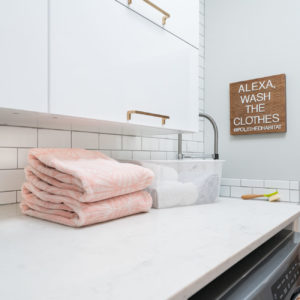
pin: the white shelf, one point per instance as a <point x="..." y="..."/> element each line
<point x="13" y="117"/>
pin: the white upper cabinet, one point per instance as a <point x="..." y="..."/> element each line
<point x="183" y="20"/>
<point x="23" y="54"/>
<point x="106" y="60"/>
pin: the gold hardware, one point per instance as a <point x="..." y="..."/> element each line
<point x="166" y="15"/>
<point x="163" y="118"/>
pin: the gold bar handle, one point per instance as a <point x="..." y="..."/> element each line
<point x="163" y="117"/>
<point x="166" y="15"/>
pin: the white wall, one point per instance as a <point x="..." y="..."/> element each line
<point x="246" y="39"/>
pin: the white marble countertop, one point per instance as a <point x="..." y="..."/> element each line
<point x="165" y="254"/>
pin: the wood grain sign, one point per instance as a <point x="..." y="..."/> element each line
<point x="258" y="105"/>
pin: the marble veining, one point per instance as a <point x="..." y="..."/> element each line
<point x="164" y="254"/>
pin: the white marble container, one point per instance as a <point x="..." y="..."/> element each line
<point x="184" y="182"/>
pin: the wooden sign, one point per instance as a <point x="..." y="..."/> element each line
<point x="258" y="105"/>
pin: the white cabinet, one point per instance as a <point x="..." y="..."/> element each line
<point x="184" y="16"/>
<point x="23" y="54"/>
<point x="106" y="59"/>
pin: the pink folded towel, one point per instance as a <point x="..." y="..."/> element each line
<point x="77" y="187"/>
<point x="73" y="213"/>
<point x="93" y="175"/>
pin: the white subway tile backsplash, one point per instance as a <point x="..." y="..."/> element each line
<point x="294" y="185"/>
<point x="8" y="197"/>
<point x="132" y="143"/>
<point x="172" y="155"/>
<point x="86" y="140"/>
<point x="106" y="152"/>
<point x="187" y="136"/>
<point x="22" y="157"/>
<point x="158" y="155"/>
<point x="252" y="183"/>
<point x="8" y="158"/>
<point x="168" y="145"/>
<point x="195" y="147"/>
<point x="48" y="138"/>
<point x="141" y="155"/>
<point x="150" y="144"/>
<point x="237" y="192"/>
<point x="18" y="137"/>
<point x="126" y="155"/>
<point x="278" y="184"/>
<point x="284" y="195"/>
<point x="201" y="126"/>
<point x="11" y="180"/>
<point x="19" y="196"/>
<point x="294" y="196"/>
<point x="231" y="181"/>
<point x="225" y="191"/>
<point x="198" y="137"/>
<point x="110" y="142"/>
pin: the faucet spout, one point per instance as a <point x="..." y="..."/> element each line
<point x="216" y="134"/>
<point x="216" y="139"/>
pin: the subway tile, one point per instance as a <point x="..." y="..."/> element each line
<point x="150" y="144"/>
<point x="201" y="83"/>
<point x="19" y="196"/>
<point x="195" y="147"/>
<point x="201" y="59"/>
<point x="168" y="145"/>
<point x="277" y="184"/>
<point x="158" y="155"/>
<point x="284" y="195"/>
<point x="48" y="138"/>
<point x="85" y="140"/>
<point x="132" y="143"/>
<point x="201" y="74"/>
<point x="8" y="197"/>
<point x="121" y="155"/>
<point x="198" y="137"/>
<point x="201" y="125"/>
<point x="171" y="136"/>
<point x="201" y="93"/>
<point x="184" y="146"/>
<point x="294" y="185"/>
<point x="8" y="158"/>
<point x="110" y="142"/>
<point x="22" y="157"/>
<point x="294" y="196"/>
<point x="231" y="181"/>
<point x="201" y="104"/>
<point x="237" y="192"/>
<point x="172" y="155"/>
<point x="252" y="182"/>
<point x="141" y="155"/>
<point x="187" y="136"/>
<point x="201" y="51"/>
<point x="106" y="152"/>
<point x="224" y="191"/>
<point x="11" y="180"/>
<point x="18" y="137"/>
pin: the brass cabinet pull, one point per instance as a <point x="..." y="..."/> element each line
<point x="163" y="118"/>
<point x="166" y="15"/>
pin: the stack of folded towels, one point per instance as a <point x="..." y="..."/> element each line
<point x="77" y="187"/>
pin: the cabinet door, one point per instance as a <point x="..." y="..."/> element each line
<point x="183" y="21"/>
<point x="23" y="54"/>
<point x="106" y="60"/>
